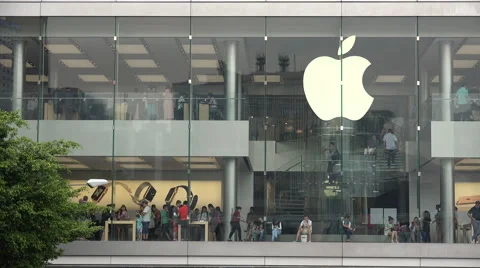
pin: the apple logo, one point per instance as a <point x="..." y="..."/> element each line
<point x="323" y="87"/>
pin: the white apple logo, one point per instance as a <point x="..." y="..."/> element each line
<point x="323" y="87"/>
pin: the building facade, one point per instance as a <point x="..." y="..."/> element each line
<point x="324" y="109"/>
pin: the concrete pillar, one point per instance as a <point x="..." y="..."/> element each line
<point x="230" y="191"/>
<point x="19" y="62"/>
<point x="231" y="79"/>
<point x="447" y="190"/>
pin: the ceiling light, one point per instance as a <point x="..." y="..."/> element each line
<point x="5" y="50"/>
<point x="132" y="49"/>
<point x="469" y="50"/>
<point x="64" y="159"/>
<point x="33" y="78"/>
<point x="200" y="166"/>
<point x="136" y="166"/>
<point x="8" y="63"/>
<point x="469" y="161"/>
<point x="464" y="64"/>
<point x="196" y="159"/>
<point x="389" y="78"/>
<point x="152" y="78"/>
<point x="205" y="64"/>
<point x="63" y="49"/>
<point x="78" y="63"/>
<point x="76" y="166"/>
<point x="126" y="159"/>
<point x="141" y="63"/>
<point x="270" y="78"/>
<point x="93" y="78"/>
<point x="199" y="49"/>
<point x="467" y="168"/>
<point x="456" y="79"/>
<point x="206" y="78"/>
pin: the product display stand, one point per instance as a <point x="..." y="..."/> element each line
<point x="205" y="223"/>
<point x="107" y="225"/>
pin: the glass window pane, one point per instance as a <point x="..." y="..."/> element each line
<point x="302" y="62"/>
<point x="379" y="147"/>
<point x="77" y="100"/>
<point x="20" y="66"/>
<point x="449" y="59"/>
<point x="151" y="150"/>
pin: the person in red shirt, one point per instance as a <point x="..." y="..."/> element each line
<point x="183" y="213"/>
<point x="235" y="223"/>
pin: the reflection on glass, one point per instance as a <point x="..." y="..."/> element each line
<point x="20" y="65"/>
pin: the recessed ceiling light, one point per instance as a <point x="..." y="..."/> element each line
<point x="456" y="79"/>
<point x="389" y="78"/>
<point x="93" y="78"/>
<point x="205" y="64"/>
<point x="141" y="64"/>
<point x="467" y="168"/>
<point x="469" y="50"/>
<point x="464" y="64"/>
<point x="76" y="166"/>
<point x="136" y="166"/>
<point x="205" y="78"/>
<point x="65" y="159"/>
<point x="33" y="78"/>
<point x="5" y="50"/>
<point x="132" y="49"/>
<point x="201" y="166"/>
<point x="152" y="78"/>
<point x="78" y="63"/>
<point x="63" y="49"/>
<point x="469" y="161"/>
<point x="196" y="159"/>
<point x="199" y="49"/>
<point x="8" y="63"/>
<point x="126" y="159"/>
<point x="270" y="78"/>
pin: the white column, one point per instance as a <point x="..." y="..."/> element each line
<point x="447" y="201"/>
<point x="230" y="189"/>
<point x="18" y="75"/>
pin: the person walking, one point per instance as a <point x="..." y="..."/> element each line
<point x="390" y="146"/>
<point x="235" y="224"/>
<point x="474" y="215"/>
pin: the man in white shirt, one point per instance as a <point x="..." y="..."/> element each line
<point x="305" y="228"/>
<point x="147" y="215"/>
<point x="390" y="146"/>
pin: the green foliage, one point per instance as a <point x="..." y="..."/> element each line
<point x="36" y="208"/>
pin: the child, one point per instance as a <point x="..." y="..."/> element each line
<point x="139" y="224"/>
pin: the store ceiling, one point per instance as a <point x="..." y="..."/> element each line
<point x="144" y="163"/>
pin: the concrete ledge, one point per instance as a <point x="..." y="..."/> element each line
<point x="290" y="8"/>
<point x="106" y="254"/>
<point x="270" y="249"/>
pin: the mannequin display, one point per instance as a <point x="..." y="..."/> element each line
<point x="168" y="104"/>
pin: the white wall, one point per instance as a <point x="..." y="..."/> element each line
<point x="461" y="136"/>
<point x="148" y="138"/>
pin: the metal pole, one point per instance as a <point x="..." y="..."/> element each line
<point x="447" y="183"/>
<point x="240" y="100"/>
<point x="230" y="200"/>
<point x="18" y="75"/>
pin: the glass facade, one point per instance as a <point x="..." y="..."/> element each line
<point x="347" y="120"/>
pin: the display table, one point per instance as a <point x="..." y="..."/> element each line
<point x="205" y="223"/>
<point x="133" y="223"/>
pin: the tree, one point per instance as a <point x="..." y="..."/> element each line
<point x="37" y="211"/>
